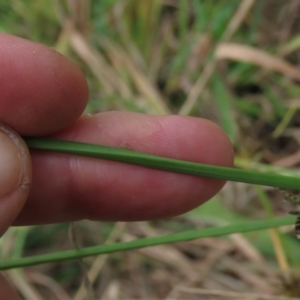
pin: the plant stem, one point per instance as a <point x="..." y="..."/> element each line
<point x="146" y="242"/>
<point x="163" y="163"/>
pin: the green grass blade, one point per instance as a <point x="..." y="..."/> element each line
<point x="146" y="242"/>
<point x="163" y="163"/>
<point x="225" y="108"/>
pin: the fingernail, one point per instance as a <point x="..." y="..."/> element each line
<point x="10" y="163"/>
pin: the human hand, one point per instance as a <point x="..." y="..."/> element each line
<point x="43" y="93"/>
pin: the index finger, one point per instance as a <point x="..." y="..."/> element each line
<point x="41" y="90"/>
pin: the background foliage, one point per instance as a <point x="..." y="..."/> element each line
<point x="234" y="62"/>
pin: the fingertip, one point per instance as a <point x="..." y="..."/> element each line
<point x="198" y="139"/>
<point x="41" y="91"/>
<point x="149" y="194"/>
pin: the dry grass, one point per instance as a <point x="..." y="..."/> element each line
<point x="234" y="62"/>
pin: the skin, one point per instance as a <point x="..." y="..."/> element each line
<point x="43" y="93"/>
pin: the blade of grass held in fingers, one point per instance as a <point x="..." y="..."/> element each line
<point x="146" y="242"/>
<point x="163" y="163"/>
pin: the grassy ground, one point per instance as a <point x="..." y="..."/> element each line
<point x="234" y="62"/>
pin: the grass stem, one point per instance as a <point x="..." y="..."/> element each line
<point x="163" y="163"/>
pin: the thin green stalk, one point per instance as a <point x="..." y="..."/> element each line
<point x="163" y="163"/>
<point x="146" y="242"/>
<point x="265" y="202"/>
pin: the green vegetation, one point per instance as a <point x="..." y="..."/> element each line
<point x="233" y="62"/>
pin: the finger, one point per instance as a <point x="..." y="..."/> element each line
<point x="70" y="188"/>
<point x="6" y="291"/>
<point x="15" y="176"/>
<point x="41" y="91"/>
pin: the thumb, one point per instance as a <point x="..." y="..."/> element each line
<point x="15" y="176"/>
